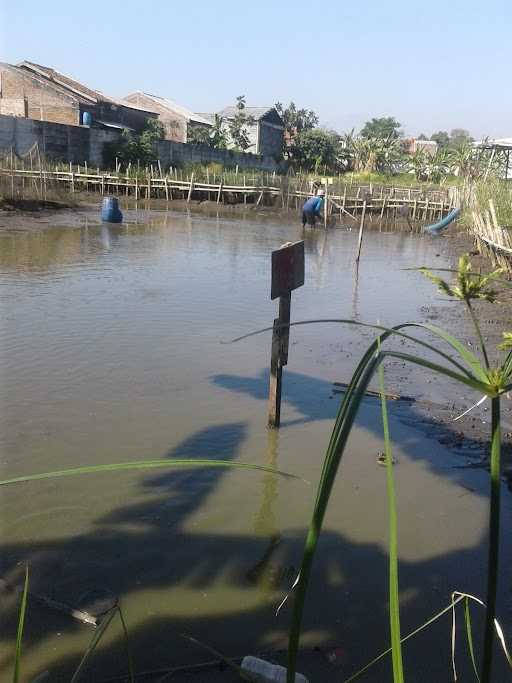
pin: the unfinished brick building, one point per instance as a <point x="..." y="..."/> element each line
<point x="38" y="92"/>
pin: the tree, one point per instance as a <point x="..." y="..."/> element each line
<point x="367" y="155"/>
<point x="459" y="137"/>
<point x="151" y="133"/>
<point x="215" y="137"/>
<point x="422" y="137"/>
<point x="384" y="127"/>
<point x="218" y="134"/>
<point x="295" y="122"/>
<point x="314" y="148"/>
<point x="198" y="135"/>
<point x="133" y="147"/>
<point x="238" y="126"/>
<point x="442" y="138"/>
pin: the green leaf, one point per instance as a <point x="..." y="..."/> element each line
<point x="473" y="383"/>
<point x="394" y="604"/>
<point x="463" y="352"/>
<point x="469" y="635"/>
<point x="19" y="635"/>
<point x="129" y="657"/>
<point x="142" y="465"/>
<point x="387" y="332"/>
<point x="105" y="623"/>
<point x="494" y="540"/>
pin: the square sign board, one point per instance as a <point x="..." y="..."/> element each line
<point x="287" y="269"/>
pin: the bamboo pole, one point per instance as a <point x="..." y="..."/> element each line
<point x="361" y="229"/>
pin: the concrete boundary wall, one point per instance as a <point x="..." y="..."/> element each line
<point x="56" y="141"/>
<point x="173" y="153"/>
<point x="79" y="144"/>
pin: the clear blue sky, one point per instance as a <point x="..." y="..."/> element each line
<point x="435" y="64"/>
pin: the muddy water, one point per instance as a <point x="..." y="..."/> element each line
<point x="111" y="351"/>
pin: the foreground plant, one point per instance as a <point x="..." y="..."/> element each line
<point x="490" y="380"/>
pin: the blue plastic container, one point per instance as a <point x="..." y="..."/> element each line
<point x="110" y="210"/>
<point x="86" y="118"/>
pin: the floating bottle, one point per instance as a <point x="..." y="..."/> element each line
<point x="259" y="671"/>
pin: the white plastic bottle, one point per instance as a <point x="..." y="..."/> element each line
<point x="260" y="671"/>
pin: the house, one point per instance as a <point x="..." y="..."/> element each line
<point x="265" y="134"/>
<point x="178" y="121"/>
<point x="39" y="92"/>
<point x="413" y="145"/>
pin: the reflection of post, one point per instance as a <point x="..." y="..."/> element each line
<point x="355" y="294"/>
<point x="265" y="519"/>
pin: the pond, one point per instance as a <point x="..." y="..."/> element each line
<point x="112" y="351"/>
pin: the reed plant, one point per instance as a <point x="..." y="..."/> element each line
<point x="489" y="378"/>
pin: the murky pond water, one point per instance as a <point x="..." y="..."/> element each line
<point x="111" y="351"/>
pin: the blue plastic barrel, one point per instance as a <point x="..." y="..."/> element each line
<point x="110" y="210"/>
<point x="86" y="118"/>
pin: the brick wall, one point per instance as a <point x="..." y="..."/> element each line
<point x="42" y="102"/>
<point x="175" y="126"/>
<point x="13" y="106"/>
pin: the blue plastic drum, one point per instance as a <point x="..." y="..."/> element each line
<point x="110" y="211"/>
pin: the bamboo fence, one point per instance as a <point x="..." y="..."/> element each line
<point x="492" y="238"/>
<point x="270" y="189"/>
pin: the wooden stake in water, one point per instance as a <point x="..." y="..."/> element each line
<point x="287" y="274"/>
<point x="361" y="229"/>
<point x="326" y="205"/>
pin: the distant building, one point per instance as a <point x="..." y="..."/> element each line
<point x="177" y="120"/>
<point x="412" y="145"/>
<point x="39" y="92"/>
<point x="265" y="134"/>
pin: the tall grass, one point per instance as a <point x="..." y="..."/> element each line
<point x="500" y="191"/>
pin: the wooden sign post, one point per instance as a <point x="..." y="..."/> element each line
<point x="287" y="275"/>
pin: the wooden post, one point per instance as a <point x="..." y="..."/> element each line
<point x="326" y="204"/>
<point x="278" y="358"/>
<point x="166" y="190"/>
<point x="219" y="193"/>
<point x="287" y="274"/>
<point x="361" y="228"/>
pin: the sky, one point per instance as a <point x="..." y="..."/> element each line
<point x="433" y="65"/>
